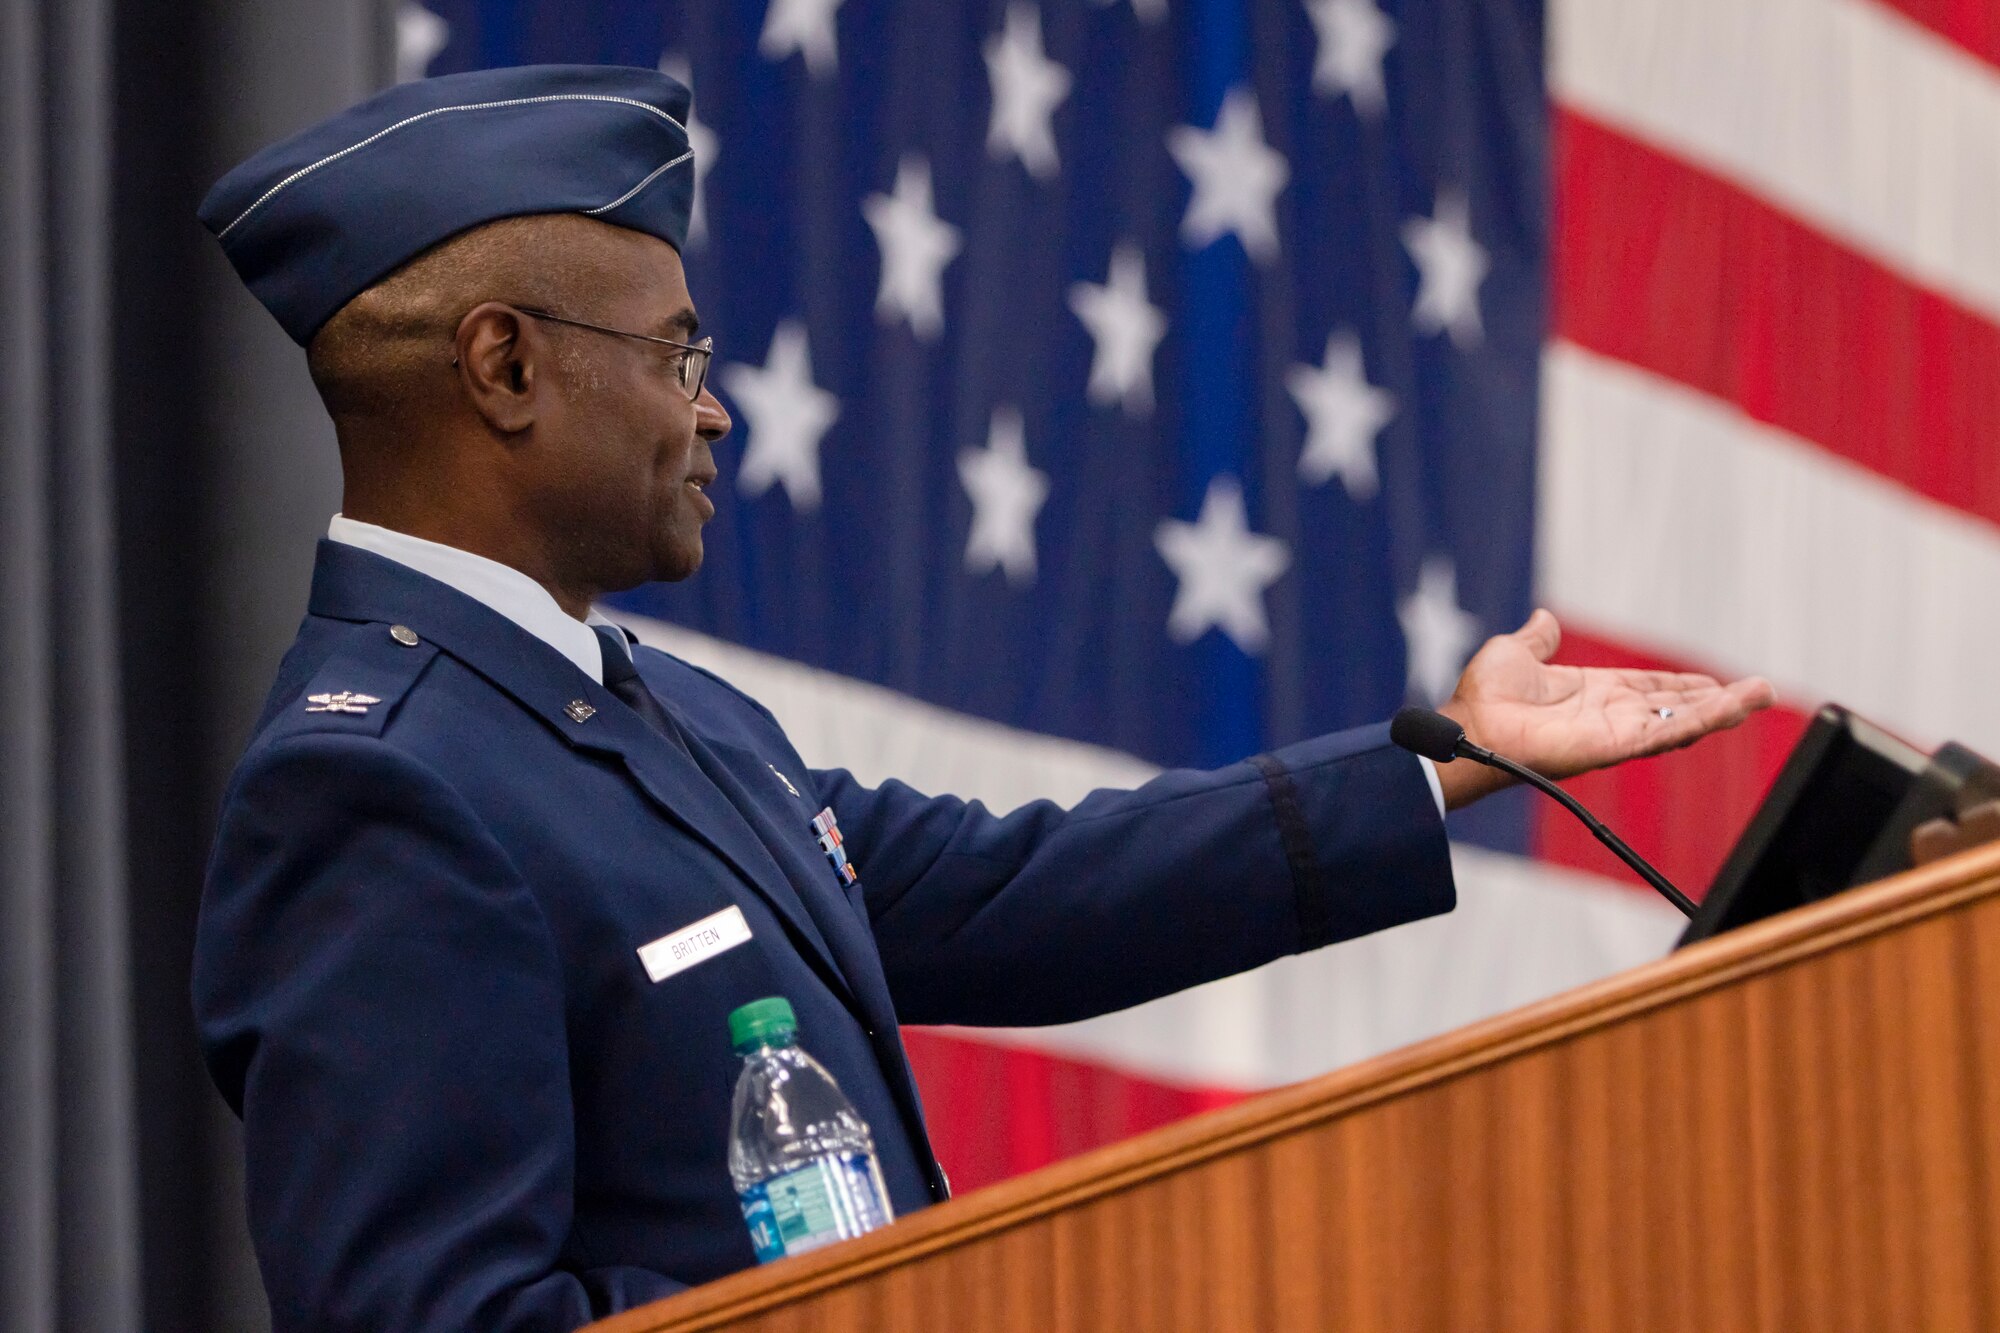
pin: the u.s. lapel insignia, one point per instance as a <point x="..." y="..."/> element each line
<point x="782" y="778"/>
<point x="579" y="711"/>
<point x="826" y="830"/>
<point x="345" y="702"/>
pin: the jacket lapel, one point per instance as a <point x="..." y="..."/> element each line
<point x="678" y="783"/>
<point x="783" y="824"/>
<point x="351" y="584"/>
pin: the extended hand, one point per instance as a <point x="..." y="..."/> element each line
<point x="1563" y="720"/>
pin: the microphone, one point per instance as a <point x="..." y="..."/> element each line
<point x="1441" y="740"/>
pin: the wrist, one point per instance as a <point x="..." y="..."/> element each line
<point x="1463" y="780"/>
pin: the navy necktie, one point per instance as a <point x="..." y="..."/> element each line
<point x="622" y="679"/>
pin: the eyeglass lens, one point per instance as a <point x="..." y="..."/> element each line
<point x="694" y="367"/>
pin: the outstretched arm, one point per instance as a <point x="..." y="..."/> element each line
<point x="1049" y="914"/>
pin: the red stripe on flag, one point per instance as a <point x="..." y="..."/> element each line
<point x="1682" y="810"/>
<point x="1678" y="272"/>
<point x="1972" y="24"/>
<point x="997" y="1111"/>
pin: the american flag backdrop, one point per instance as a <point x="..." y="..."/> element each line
<point x="1122" y="384"/>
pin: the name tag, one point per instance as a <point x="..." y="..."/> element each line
<point x="694" y="944"/>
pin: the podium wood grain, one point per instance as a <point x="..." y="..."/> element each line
<point x="1791" y="1127"/>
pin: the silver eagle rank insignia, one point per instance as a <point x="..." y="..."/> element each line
<point x="345" y="702"/>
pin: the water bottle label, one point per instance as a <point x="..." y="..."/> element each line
<point x="832" y="1199"/>
<point x="763" y="1225"/>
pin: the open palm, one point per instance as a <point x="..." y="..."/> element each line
<point x="1564" y="720"/>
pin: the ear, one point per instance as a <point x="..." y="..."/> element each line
<point x="502" y="362"/>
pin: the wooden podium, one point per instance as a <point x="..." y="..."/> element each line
<point x="1792" y="1127"/>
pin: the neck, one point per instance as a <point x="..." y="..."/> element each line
<point x="452" y="490"/>
<point x="500" y="543"/>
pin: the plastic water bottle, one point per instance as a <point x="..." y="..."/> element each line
<point x="802" y="1161"/>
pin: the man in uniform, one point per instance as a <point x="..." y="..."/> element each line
<point x="472" y="1097"/>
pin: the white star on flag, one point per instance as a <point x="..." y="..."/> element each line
<point x="1126" y="328"/>
<point x="1353" y="37"/>
<point x="804" y="26"/>
<point x="1344" y="413"/>
<point x="1223" y="569"/>
<point x="1027" y="88"/>
<point x="785" y="416"/>
<point x="420" y="36"/>
<point x="1006" y="495"/>
<point x="1450" y="267"/>
<point x="1438" y="635"/>
<point x="701" y="140"/>
<point x="1236" y="178"/>
<point x="915" y="245"/>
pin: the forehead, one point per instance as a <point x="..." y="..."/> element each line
<point x="642" y="272"/>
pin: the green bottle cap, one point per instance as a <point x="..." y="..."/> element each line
<point x="766" y="1022"/>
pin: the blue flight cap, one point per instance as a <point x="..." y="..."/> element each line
<point x="312" y="222"/>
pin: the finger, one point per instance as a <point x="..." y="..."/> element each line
<point x="1681" y="718"/>
<point x="1677" y="728"/>
<point x="1541" y="636"/>
<point x="1680" y="699"/>
<point x="1653" y="682"/>
<point x="1729" y="705"/>
<point x="1750" y="695"/>
<point x="1754" y="692"/>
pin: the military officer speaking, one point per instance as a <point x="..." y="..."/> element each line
<point x="471" y="802"/>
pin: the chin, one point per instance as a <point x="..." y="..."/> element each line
<point x="675" y="565"/>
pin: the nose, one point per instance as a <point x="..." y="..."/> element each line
<point x="711" y="419"/>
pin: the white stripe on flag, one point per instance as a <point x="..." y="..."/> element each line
<point x="1676" y="524"/>
<point x="1523" y="930"/>
<point x="876" y="734"/>
<point x="1863" y="123"/>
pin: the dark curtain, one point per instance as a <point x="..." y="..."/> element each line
<point x="164" y="468"/>
<point x="68" y="1172"/>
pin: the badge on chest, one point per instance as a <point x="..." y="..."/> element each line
<point x="671" y="954"/>
<point x="826" y="830"/>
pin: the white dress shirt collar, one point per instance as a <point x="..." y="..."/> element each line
<point x="500" y="587"/>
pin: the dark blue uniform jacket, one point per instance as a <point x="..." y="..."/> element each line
<point x="465" y="1104"/>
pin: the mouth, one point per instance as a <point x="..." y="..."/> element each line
<point x="698" y="485"/>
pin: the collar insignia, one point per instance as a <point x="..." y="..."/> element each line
<point x="345" y="702"/>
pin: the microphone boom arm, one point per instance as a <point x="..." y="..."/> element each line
<point x="1590" y="821"/>
<point x="1439" y="739"/>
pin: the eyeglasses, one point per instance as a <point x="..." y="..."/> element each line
<point x="691" y="370"/>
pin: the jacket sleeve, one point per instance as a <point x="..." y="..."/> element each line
<point x="1047" y="915"/>
<point x="379" y="997"/>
